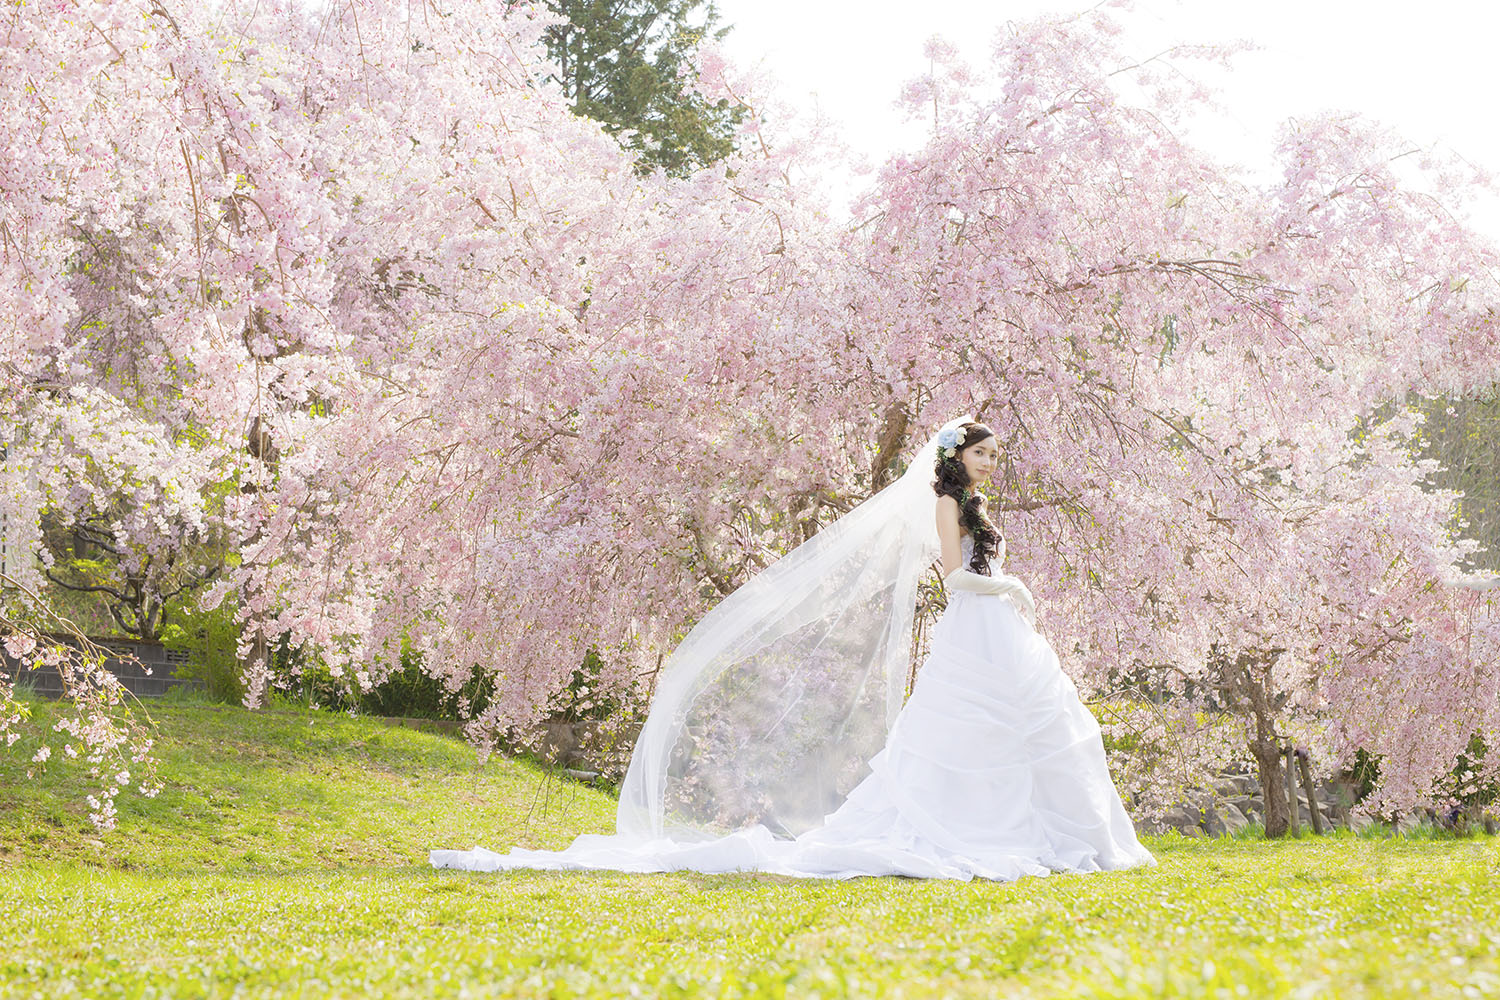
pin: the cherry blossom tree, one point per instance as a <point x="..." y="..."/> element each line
<point x="1179" y="364"/>
<point x="484" y="389"/>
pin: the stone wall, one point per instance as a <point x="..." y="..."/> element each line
<point x="1235" y="801"/>
<point x="145" y="669"/>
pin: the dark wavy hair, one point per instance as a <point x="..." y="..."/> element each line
<point x="953" y="481"/>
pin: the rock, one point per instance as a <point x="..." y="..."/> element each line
<point x="1230" y="786"/>
<point x="1223" y="819"/>
<point x="1408" y="822"/>
<point x="561" y="742"/>
<point x="1182" y="818"/>
<point x="1233" y="819"/>
<point x="1213" y="822"/>
<point x="1335" y="799"/>
<point x="1339" y="792"/>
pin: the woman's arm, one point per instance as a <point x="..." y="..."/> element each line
<point x="947" y="525"/>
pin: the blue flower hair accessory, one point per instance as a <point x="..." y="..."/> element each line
<point x="950" y="440"/>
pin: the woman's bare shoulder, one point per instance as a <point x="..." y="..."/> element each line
<point x="947" y="512"/>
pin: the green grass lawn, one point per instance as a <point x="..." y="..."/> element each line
<point x="287" y="856"/>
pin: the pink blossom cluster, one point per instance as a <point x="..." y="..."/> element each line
<point x="474" y="385"/>
<point x="101" y="727"/>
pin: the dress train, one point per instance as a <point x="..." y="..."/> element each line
<point x="993" y="769"/>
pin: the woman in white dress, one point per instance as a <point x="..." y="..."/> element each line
<point x="757" y="752"/>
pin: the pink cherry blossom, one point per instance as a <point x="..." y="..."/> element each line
<point x="418" y="345"/>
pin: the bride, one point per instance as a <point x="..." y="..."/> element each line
<point x="780" y="737"/>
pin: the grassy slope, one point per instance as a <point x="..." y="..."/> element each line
<point x="288" y="789"/>
<point x="287" y="856"/>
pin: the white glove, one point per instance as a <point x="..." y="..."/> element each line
<point x="1004" y="585"/>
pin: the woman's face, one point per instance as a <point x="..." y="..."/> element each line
<point x="980" y="459"/>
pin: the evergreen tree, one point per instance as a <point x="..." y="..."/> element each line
<point x="619" y="64"/>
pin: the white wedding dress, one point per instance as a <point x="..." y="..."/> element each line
<point x="993" y="769"/>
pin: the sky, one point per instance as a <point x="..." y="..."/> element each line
<point x="1425" y="72"/>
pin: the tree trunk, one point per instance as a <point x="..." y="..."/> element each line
<point x="1272" y="776"/>
<point x="1249" y="693"/>
<point x="1294" y="826"/>
<point x="1305" y="769"/>
<point x="892" y="436"/>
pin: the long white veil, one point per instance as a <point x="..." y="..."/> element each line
<point x="781" y="701"/>
<point x="767" y="712"/>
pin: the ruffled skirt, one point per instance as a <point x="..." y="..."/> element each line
<point x="994" y="769"/>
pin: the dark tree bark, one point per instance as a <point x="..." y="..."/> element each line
<point x="139" y="595"/>
<point x="1307" y="786"/>
<point x="1247" y="686"/>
